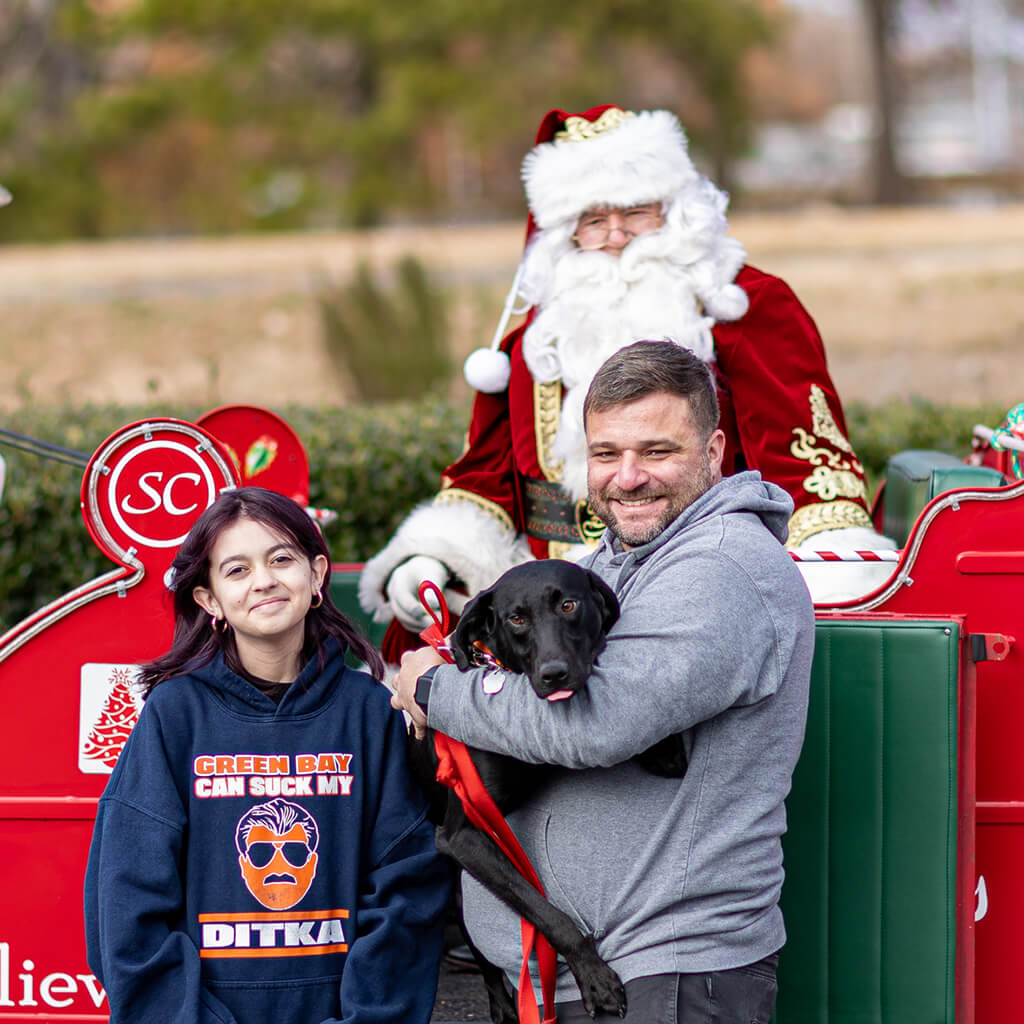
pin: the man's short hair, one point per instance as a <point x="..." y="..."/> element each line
<point x="652" y="367"/>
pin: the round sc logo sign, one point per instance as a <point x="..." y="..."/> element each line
<point x="148" y="484"/>
<point x="156" y="488"/>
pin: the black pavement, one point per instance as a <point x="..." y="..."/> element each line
<point x="460" y="996"/>
<point x="460" y="989"/>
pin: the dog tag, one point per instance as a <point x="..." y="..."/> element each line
<point x="493" y="681"/>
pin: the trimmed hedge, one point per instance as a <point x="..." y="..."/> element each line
<point x="370" y="464"/>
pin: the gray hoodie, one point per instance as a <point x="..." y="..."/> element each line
<point x="715" y="642"/>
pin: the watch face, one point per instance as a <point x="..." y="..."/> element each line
<point x="422" y="694"/>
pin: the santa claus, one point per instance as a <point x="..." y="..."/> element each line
<point x="626" y="241"/>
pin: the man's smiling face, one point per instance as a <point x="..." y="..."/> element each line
<point x="646" y="462"/>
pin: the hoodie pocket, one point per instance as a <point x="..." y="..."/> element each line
<point x="559" y="882"/>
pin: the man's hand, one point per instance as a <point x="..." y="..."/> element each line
<point x="414" y="664"/>
<point x="404" y="585"/>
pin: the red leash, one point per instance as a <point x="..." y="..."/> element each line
<point x="456" y="770"/>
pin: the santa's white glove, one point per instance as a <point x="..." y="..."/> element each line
<point x="836" y="582"/>
<point x="403" y="590"/>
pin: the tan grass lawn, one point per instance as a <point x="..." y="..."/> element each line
<point x="923" y="302"/>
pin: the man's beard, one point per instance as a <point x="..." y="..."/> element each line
<point x="680" y="499"/>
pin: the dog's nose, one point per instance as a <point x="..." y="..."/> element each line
<point x="554" y="673"/>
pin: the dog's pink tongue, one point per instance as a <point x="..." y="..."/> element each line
<point x="559" y="695"/>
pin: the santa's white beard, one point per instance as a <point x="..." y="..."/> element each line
<point x="591" y="304"/>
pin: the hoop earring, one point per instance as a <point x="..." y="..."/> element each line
<point x="319" y="600"/>
<point x="218" y="625"/>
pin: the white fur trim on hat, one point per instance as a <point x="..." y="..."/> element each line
<point x="640" y="160"/>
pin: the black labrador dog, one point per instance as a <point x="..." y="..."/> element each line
<point x="547" y="620"/>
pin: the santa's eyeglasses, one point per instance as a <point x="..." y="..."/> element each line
<point x="261" y="853"/>
<point x="594" y="229"/>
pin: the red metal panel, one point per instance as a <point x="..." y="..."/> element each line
<point x="43" y="973"/>
<point x="65" y="673"/>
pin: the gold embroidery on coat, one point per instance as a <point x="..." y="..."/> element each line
<point x="824" y="425"/>
<point x="804" y="447"/>
<point x="829" y="484"/>
<point x="834" y="515"/>
<point x="547" y="412"/>
<point x="833" y="476"/>
<point x="589" y="526"/>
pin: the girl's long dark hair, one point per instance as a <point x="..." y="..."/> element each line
<point x="195" y="643"/>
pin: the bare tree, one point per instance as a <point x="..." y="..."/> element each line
<point x="889" y="184"/>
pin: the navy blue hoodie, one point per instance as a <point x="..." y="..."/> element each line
<point x="254" y="862"/>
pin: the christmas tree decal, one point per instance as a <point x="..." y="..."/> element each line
<point x="119" y="715"/>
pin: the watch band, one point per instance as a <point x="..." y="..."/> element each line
<point x="423" y="684"/>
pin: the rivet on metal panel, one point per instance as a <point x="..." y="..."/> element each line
<point x="202" y="447"/>
<point x="908" y="582"/>
<point x="121" y="589"/>
<point x="148" y="435"/>
<point x="955" y="505"/>
<point x="947" y="631"/>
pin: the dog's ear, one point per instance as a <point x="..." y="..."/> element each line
<point x="606" y="600"/>
<point x="476" y="623"/>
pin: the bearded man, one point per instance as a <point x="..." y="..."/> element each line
<point x="626" y="240"/>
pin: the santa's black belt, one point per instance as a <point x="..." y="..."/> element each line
<point x="551" y="514"/>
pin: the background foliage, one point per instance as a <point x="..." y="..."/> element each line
<point x="172" y="116"/>
<point x="370" y="329"/>
<point x="370" y="464"/>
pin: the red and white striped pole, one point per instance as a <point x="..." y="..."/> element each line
<point x="886" y="555"/>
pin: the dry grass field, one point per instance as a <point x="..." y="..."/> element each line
<point x="926" y="302"/>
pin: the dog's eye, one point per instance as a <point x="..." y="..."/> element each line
<point x="516" y="620"/>
<point x="569" y="606"/>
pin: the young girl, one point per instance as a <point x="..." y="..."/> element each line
<point x="260" y="853"/>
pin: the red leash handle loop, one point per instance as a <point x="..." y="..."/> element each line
<point x="436" y="634"/>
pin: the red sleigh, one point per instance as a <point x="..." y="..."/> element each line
<point x="903" y="890"/>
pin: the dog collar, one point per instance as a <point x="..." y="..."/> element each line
<point x="482" y="657"/>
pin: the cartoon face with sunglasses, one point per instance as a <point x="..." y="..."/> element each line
<point x="276" y="844"/>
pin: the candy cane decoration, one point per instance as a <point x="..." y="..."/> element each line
<point x="886" y="555"/>
<point x="1000" y="436"/>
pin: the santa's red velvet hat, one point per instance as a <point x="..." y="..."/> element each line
<point x="605" y="156"/>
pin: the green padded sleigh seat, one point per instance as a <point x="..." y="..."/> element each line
<point x="914" y="477"/>
<point x="870" y="856"/>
